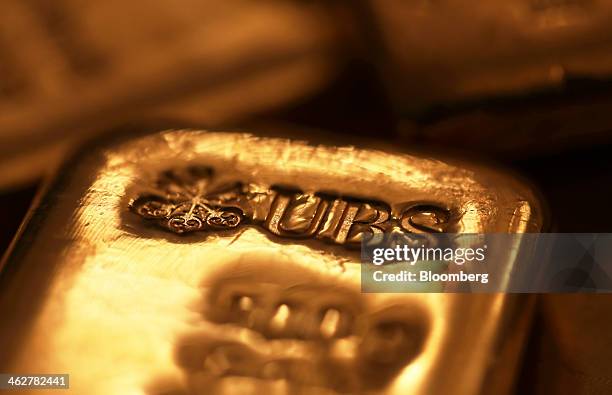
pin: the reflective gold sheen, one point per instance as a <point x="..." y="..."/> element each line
<point x="218" y="290"/>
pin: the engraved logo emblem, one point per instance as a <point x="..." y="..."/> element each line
<point x="184" y="202"/>
<point x="188" y="200"/>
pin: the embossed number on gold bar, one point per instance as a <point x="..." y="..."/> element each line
<point x="190" y="262"/>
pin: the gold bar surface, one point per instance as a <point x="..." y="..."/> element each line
<point x="192" y="262"/>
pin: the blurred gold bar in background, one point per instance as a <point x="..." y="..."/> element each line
<point x="498" y="76"/>
<point x="453" y="49"/>
<point x="69" y="69"/>
<point x="187" y="262"/>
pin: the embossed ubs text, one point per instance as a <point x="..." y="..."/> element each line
<point x="186" y="200"/>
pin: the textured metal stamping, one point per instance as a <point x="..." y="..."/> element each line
<point x="186" y="200"/>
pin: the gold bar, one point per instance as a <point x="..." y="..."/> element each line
<point x="489" y="76"/>
<point x="452" y="50"/>
<point x="84" y="67"/>
<point x="188" y="262"/>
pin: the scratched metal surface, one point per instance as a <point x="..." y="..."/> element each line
<point x="129" y="307"/>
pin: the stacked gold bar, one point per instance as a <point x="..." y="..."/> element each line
<point x="70" y="69"/>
